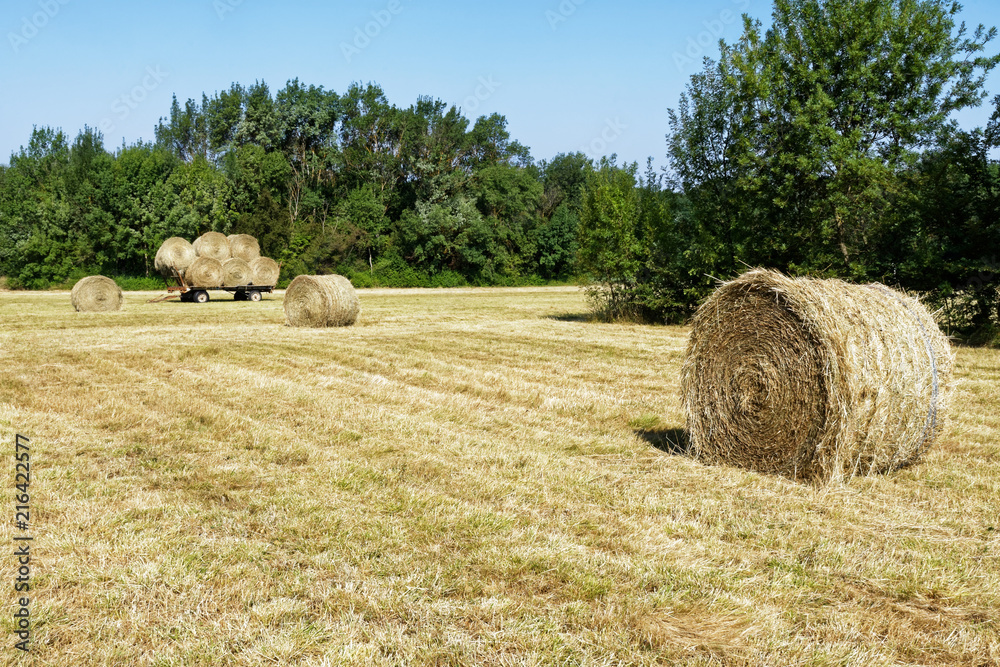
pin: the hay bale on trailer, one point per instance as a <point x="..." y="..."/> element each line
<point x="813" y="379"/>
<point x="204" y="272"/>
<point x="214" y="245"/>
<point x="244" y="247"/>
<point x="321" y="301"/>
<point x="265" y="271"/>
<point x="236" y="272"/>
<point x="174" y="254"/>
<point x="96" y="294"/>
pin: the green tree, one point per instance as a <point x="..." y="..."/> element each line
<point x="611" y="251"/>
<point x="843" y="95"/>
<point x="793" y="147"/>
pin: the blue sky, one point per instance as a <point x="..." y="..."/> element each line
<point x="569" y="75"/>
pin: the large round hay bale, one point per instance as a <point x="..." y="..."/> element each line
<point x="244" y="246"/>
<point x="214" y="245"/>
<point x="813" y="379"/>
<point x="96" y="294"/>
<point x="321" y="301"/>
<point x="345" y="306"/>
<point x="235" y="272"/>
<point x="265" y="271"/>
<point x="175" y="254"/>
<point x="204" y="272"/>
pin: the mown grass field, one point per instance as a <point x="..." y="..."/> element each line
<point x="468" y="476"/>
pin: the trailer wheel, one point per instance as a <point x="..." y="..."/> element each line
<point x="239" y="296"/>
<point x="253" y="295"/>
<point x="201" y="296"/>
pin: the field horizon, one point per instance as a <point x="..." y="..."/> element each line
<point x="470" y="475"/>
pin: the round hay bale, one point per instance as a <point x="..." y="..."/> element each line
<point x="96" y="294"/>
<point x="174" y="254"/>
<point x="244" y="246"/>
<point x="813" y="379"/>
<point x="265" y="271"/>
<point x="204" y="272"/>
<point x="321" y="301"/>
<point x="345" y="306"/>
<point x="214" y="245"/>
<point x="235" y="272"/>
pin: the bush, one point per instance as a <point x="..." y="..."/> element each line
<point x="140" y="283"/>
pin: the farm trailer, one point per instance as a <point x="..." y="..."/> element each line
<point x="196" y="294"/>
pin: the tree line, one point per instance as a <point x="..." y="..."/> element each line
<point x="326" y="181"/>
<point x="824" y="145"/>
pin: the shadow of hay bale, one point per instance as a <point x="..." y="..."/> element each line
<point x="572" y="317"/>
<point x="674" y="441"/>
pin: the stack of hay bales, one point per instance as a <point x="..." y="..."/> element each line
<point x="321" y="301"/>
<point x="175" y="254"/>
<point x="814" y="379"/>
<point x="265" y="271"/>
<point x="235" y="272"/>
<point x="212" y="245"/>
<point x="204" y="272"/>
<point x="95" y="294"/>
<point x="215" y="260"/>
<point x="243" y="246"/>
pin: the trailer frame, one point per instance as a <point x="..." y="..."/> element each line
<point x="196" y="294"/>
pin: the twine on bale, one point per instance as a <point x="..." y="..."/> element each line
<point x="236" y="272"/>
<point x="214" y="245"/>
<point x="321" y="301"/>
<point x="244" y="247"/>
<point x="265" y="271"/>
<point x="204" y="272"/>
<point x="174" y="254"/>
<point x="813" y="379"/>
<point x="95" y="294"/>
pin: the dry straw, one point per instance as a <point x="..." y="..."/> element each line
<point x="174" y="254"/>
<point x="813" y="379"/>
<point x="321" y="301"/>
<point x="214" y="245"/>
<point x="235" y="272"/>
<point x="96" y="294"/>
<point x="244" y="247"/>
<point x="346" y="307"/>
<point x="265" y="271"/>
<point x="204" y="272"/>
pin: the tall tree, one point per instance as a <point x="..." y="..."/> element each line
<point x="611" y="251"/>
<point x="800" y="134"/>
